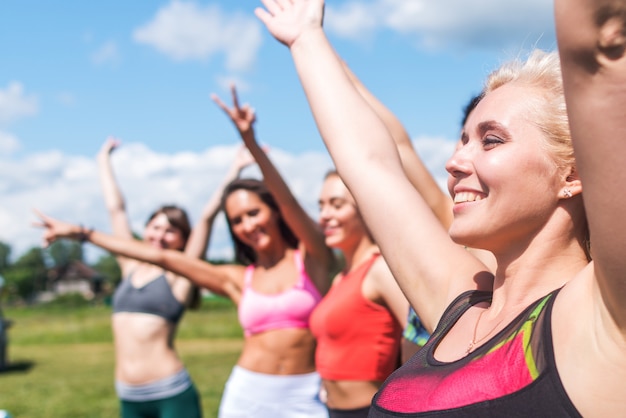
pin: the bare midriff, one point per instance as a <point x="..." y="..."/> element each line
<point x="349" y="394"/>
<point x="143" y="348"/>
<point x="281" y="352"/>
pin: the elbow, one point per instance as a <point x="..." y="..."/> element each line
<point x="592" y="37"/>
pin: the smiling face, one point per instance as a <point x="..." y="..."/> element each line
<point x="252" y="221"/>
<point x="504" y="183"/>
<point x="160" y="233"/>
<point x="339" y="217"/>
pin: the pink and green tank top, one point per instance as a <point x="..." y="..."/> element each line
<point x="513" y="374"/>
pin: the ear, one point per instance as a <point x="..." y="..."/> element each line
<point x="572" y="186"/>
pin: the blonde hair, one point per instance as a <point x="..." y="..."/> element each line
<point x="542" y="71"/>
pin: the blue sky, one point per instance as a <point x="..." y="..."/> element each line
<point x="76" y="72"/>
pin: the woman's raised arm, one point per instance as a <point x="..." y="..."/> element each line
<point x="218" y="279"/>
<point x="113" y="198"/>
<point x="592" y="45"/>
<point x="200" y="236"/>
<point x="307" y="231"/>
<point x="412" y="240"/>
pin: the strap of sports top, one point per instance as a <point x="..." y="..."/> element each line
<point x="300" y="266"/>
<point x="247" y="279"/>
<point x="247" y="276"/>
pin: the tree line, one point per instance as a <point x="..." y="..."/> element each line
<point x="29" y="274"/>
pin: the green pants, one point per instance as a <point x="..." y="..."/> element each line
<point x="185" y="404"/>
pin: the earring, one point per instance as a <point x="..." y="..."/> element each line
<point x="567" y="193"/>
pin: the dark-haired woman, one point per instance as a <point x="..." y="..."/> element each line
<point x="281" y="275"/>
<point x="150" y="378"/>
<point x="147" y="305"/>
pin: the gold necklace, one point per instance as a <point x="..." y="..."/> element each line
<point x="474" y="341"/>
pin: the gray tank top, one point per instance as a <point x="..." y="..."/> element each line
<point x="155" y="298"/>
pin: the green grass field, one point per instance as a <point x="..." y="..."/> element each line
<point x="61" y="359"/>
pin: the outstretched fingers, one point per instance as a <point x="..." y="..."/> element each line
<point x="43" y="221"/>
<point x="287" y="20"/>
<point x="233" y="93"/>
<point x="220" y="103"/>
<point x="273" y="7"/>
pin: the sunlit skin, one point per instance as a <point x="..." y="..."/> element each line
<point x="344" y="229"/>
<point x="161" y="234"/>
<point x="284" y="350"/>
<point x="252" y="221"/>
<point x="144" y="340"/>
<point x="499" y="160"/>
<point x="338" y="216"/>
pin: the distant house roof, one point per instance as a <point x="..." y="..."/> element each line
<point x="73" y="271"/>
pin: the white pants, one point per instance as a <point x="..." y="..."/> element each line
<point x="250" y="394"/>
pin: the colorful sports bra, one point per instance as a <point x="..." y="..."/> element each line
<point x="512" y="375"/>
<point x="155" y="297"/>
<point x="259" y="312"/>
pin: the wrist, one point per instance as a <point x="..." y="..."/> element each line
<point x="83" y="233"/>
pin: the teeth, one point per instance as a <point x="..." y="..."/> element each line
<point x="467" y="197"/>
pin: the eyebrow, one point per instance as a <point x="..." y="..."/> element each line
<point x="333" y="199"/>
<point x="491" y="125"/>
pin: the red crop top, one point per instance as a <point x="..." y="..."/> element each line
<point x="357" y="339"/>
<point x="292" y="308"/>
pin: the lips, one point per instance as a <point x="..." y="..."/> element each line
<point x="329" y="230"/>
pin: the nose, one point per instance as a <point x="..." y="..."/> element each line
<point x="248" y="224"/>
<point x="459" y="164"/>
<point x="159" y="235"/>
<point x="324" y="213"/>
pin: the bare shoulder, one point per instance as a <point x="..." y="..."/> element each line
<point x="380" y="271"/>
<point x="380" y="279"/>
<point x="234" y="273"/>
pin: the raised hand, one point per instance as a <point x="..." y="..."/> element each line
<point x="242" y="116"/>
<point x="244" y="158"/>
<point x="55" y="229"/>
<point x="287" y="20"/>
<point x="110" y="144"/>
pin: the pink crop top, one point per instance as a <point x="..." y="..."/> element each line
<point x="259" y="312"/>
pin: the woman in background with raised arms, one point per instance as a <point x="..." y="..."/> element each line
<point x="507" y="344"/>
<point x="282" y="272"/>
<point x="150" y="378"/>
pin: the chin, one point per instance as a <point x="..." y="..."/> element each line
<point x="333" y="242"/>
<point x="459" y="237"/>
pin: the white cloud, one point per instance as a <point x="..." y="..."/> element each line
<point x="8" y="143"/>
<point x="14" y="104"/>
<point x="188" y="31"/>
<point x="352" y="20"/>
<point x="107" y="54"/>
<point x="67" y="186"/>
<point x="481" y="24"/>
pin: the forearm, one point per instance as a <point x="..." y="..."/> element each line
<point x="113" y="198"/>
<point x="197" y="271"/>
<point x="357" y="139"/>
<point x="416" y="171"/>
<point x="592" y="46"/>
<point x="271" y="176"/>
<point x="125" y="247"/>
<point x="200" y="237"/>
<point x="112" y="195"/>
